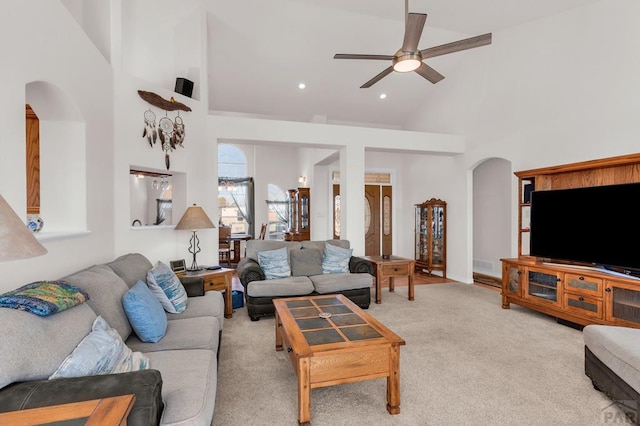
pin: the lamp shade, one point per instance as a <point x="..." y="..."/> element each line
<point x="194" y="218"/>
<point x="16" y="240"/>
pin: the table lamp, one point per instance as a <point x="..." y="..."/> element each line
<point x="193" y="219"/>
<point x="16" y="240"/>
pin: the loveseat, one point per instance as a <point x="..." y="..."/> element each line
<point x="310" y="272"/>
<point x="612" y="362"/>
<point x="179" y="386"/>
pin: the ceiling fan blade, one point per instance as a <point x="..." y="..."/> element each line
<point x="429" y="73"/>
<point x="456" y="46"/>
<point x="413" y="31"/>
<point x="377" y="78"/>
<point x="362" y="56"/>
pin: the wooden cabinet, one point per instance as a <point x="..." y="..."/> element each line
<point x="577" y="294"/>
<point x="430" y="236"/>
<point x="299" y="212"/>
<point x="622" y="298"/>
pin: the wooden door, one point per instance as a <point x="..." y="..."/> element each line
<point x="378" y="229"/>
<point x="372" y="220"/>
<point x="387" y="229"/>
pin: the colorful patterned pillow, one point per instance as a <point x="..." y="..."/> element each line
<point x="274" y="263"/>
<point x="166" y="286"/>
<point x="44" y="297"/>
<point x="335" y="259"/>
<point x="102" y="351"/>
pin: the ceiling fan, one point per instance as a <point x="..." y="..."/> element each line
<point x="409" y="57"/>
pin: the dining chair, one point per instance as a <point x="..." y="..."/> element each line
<point x="224" y="245"/>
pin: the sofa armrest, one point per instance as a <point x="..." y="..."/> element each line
<point x="249" y="270"/>
<point x="360" y="265"/>
<point x="193" y="285"/>
<point x="145" y="384"/>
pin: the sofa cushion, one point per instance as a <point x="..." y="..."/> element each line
<point x="255" y="246"/>
<point x="335" y="259"/>
<point x="105" y="290"/>
<point x="102" y="351"/>
<point x="166" y="286"/>
<point x="322" y="244"/>
<point x="188" y="385"/>
<point x="209" y="305"/>
<point x="26" y="335"/>
<point x="305" y="262"/>
<point x="618" y="348"/>
<point x="187" y="333"/>
<point x="275" y="263"/>
<point x="146" y="385"/>
<point x="131" y="267"/>
<point x="291" y="286"/>
<point x="145" y="313"/>
<point x="332" y="283"/>
<point x="43" y="297"/>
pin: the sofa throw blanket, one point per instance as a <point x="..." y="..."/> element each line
<point x="44" y="297"/>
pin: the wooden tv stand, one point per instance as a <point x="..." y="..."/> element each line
<point x="576" y="294"/>
<point x="583" y="296"/>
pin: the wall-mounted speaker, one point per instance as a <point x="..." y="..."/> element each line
<point x="184" y="86"/>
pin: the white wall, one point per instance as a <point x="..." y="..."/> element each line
<point x="53" y="49"/>
<point x="491" y="216"/>
<point x="558" y="90"/>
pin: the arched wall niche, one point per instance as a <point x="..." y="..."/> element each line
<point x="62" y="159"/>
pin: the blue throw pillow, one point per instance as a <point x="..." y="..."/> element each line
<point x="335" y="259"/>
<point x="102" y="351"/>
<point x="145" y="313"/>
<point x="275" y="263"/>
<point x="166" y="286"/>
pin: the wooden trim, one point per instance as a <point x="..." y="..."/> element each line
<point x="583" y="165"/>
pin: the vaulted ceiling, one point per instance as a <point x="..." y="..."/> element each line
<point x="260" y="50"/>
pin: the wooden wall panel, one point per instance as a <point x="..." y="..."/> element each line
<point x="33" y="160"/>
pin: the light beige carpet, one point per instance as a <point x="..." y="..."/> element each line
<point x="466" y="361"/>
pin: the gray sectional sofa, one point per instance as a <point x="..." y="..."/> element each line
<point x="305" y="261"/>
<point x="612" y="362"/>
<point x="179" y="388"/>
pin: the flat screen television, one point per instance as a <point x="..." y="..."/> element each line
<point x="596" y="226"/>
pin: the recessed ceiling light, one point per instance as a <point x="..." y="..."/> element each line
<point x="383" y="95"/>
<point x="301" y="86"/>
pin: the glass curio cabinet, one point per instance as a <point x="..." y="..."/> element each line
<point x="299" y="212"/>
<point x="430" y="236"/>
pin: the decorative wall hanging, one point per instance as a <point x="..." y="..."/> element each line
<point x="170" y="132"/>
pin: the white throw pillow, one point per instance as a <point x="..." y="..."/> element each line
<point x="166" y="286"/>
<point x="102" y="351"/>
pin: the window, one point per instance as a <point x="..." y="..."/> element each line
<point x="278" y="212"/>
<point x="235" y="190"/>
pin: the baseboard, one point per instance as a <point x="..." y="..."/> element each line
<point x="487" y="279"/>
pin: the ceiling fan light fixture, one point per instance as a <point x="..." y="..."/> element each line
<point x="406" y="62"/>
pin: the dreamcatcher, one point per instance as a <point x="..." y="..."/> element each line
<point x="150" y="131"/>
<point x="169" y="132"/>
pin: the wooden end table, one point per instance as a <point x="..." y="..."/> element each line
<point x="96" y="412"/>
<point x="331" y="341"/>
<point x="218" y="279"/>
<point x="390" y="268"/>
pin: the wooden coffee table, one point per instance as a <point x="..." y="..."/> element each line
<point x="331" y="341"/>
<point x="96" y="412"/>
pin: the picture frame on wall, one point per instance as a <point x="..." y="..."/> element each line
<point x="178" y="266"/>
